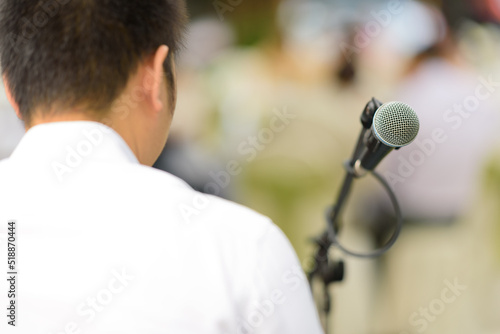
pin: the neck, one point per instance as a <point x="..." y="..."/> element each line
<point x="73" y="116"/>
<point x="60" y="117"/>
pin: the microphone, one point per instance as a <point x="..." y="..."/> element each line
<point x="395" y="124"/>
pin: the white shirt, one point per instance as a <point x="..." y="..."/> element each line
<point x="106" y="245"/>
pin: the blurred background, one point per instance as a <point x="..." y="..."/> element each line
<point x="270" y="95"/>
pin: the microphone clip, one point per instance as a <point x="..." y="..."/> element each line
<point x="369" y="112"/>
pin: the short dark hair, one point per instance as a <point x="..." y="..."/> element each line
<point x="81" y="53"/>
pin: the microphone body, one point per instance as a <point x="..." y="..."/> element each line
<point x="373" y="153"/>
<point x="395" y="124"/>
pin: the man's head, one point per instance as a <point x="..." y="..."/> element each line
<point x="105" y="60"/>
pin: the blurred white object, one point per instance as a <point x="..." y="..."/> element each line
<point x="206" y="39"/>
<point x="416" y="29"/>
<point x="11" y="128"/>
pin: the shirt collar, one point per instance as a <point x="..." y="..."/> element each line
<point x="70" y="142"/>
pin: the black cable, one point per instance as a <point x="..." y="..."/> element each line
<point x="399" y="224"/>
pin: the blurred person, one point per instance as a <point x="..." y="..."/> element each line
<point x="436" y="179"/>
<point x="102" y="242"/>
<point x="485" y="10"/>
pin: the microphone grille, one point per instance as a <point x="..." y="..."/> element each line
<point x="395" y="124"/>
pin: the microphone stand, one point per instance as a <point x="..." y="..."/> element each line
<point x="330" y="271"/>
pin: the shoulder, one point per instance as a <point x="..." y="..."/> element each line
<point x="195" y="209"/>
<point x="224" y="217"/>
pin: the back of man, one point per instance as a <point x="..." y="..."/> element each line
<point x="94" y="241"/>
<point x="121" y="248"/>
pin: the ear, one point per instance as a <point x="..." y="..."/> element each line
<point x="157" y="73"/>
<point x="10" y="98"/>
